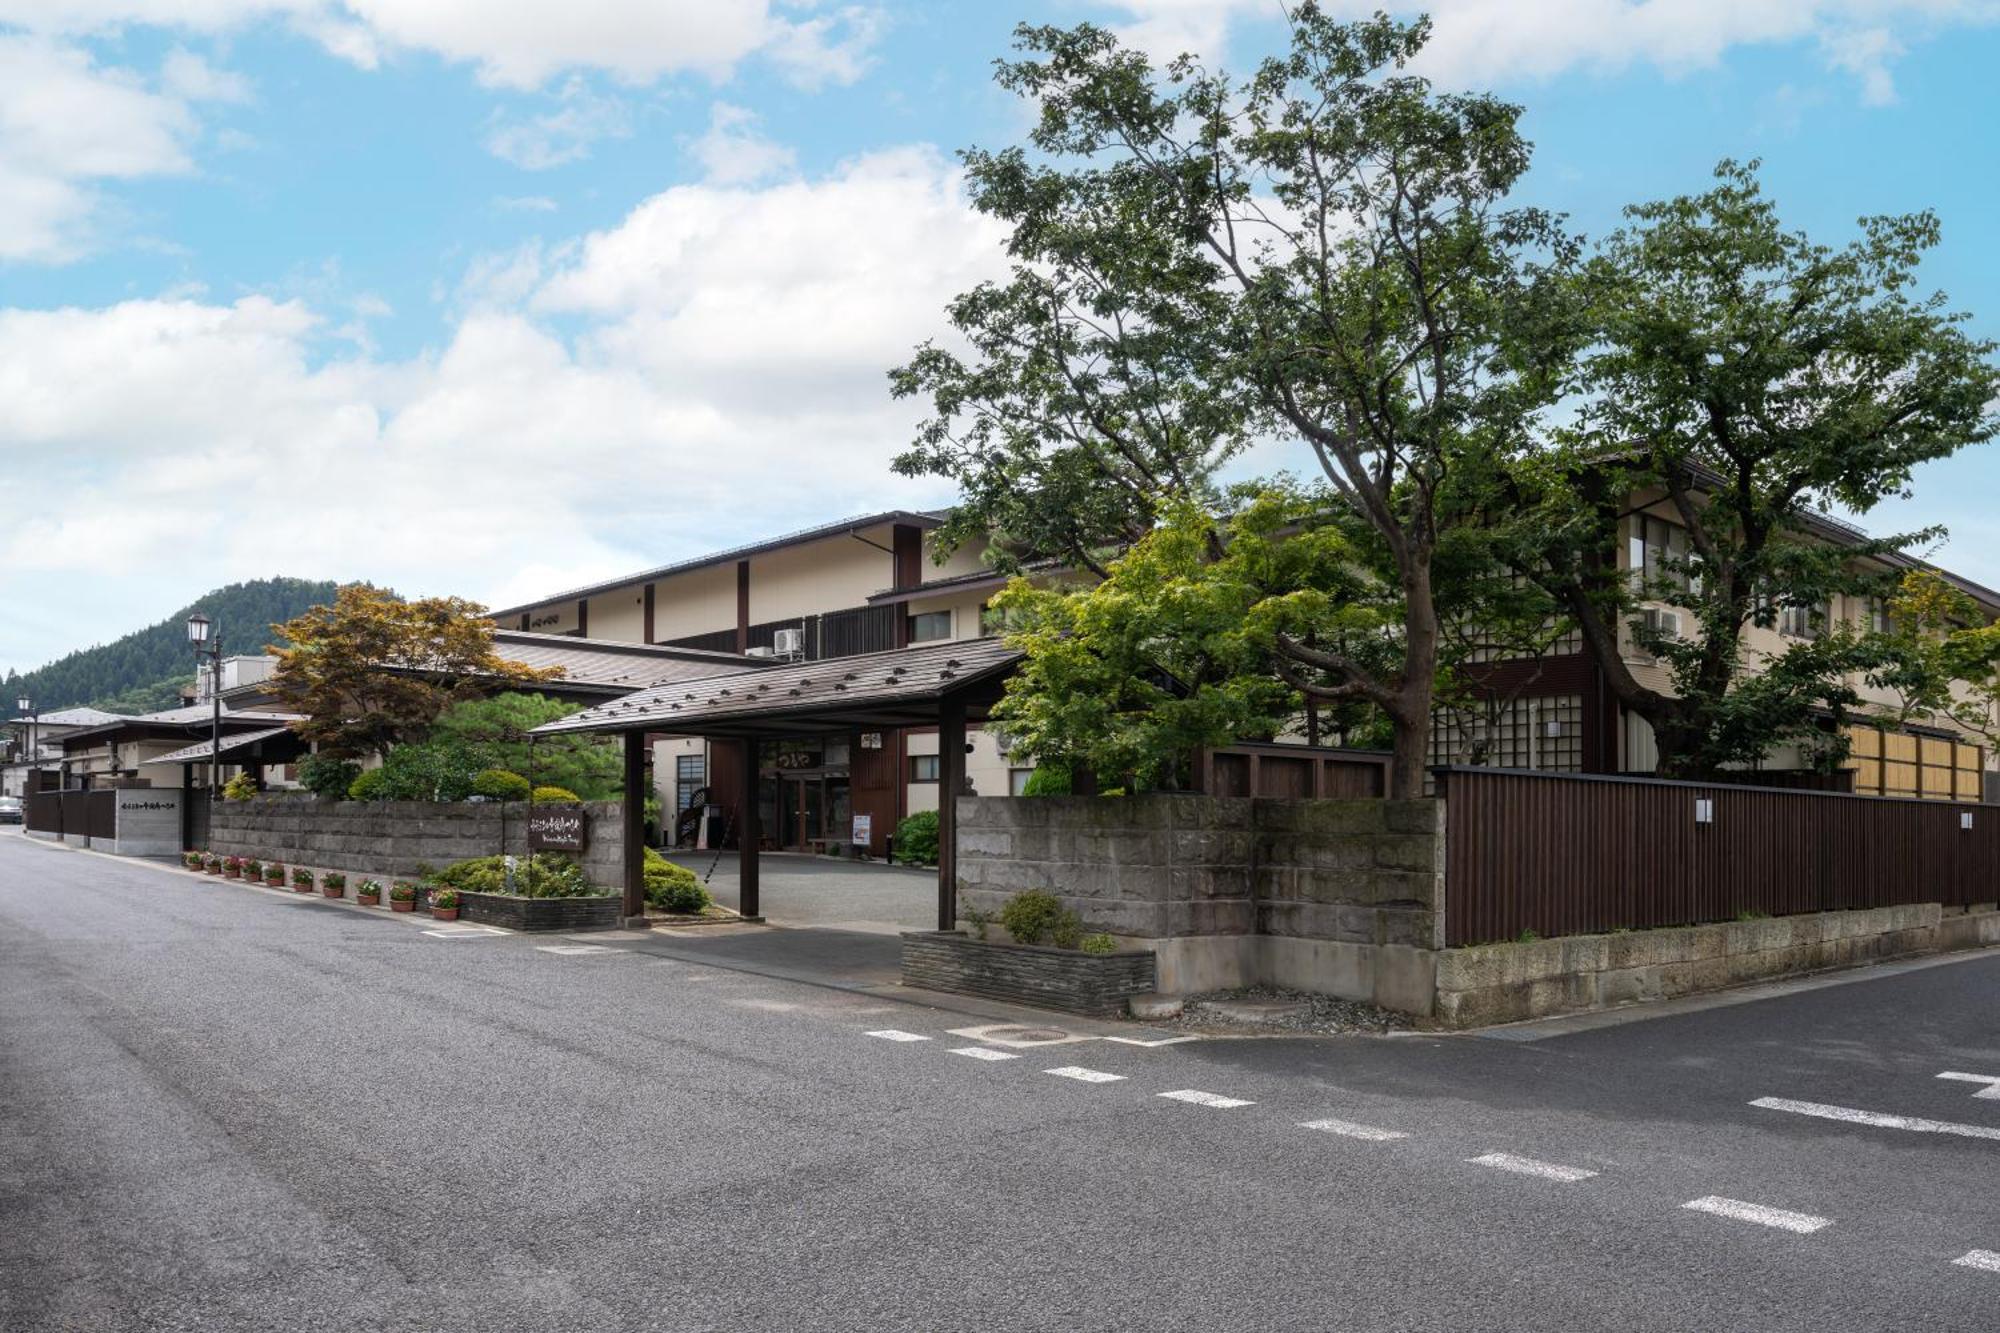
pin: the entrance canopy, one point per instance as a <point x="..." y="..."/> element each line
<point x="942" y="684"/>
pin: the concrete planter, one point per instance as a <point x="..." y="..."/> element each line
<point x="498" y="909"/>
<point x="1097" y="985"/>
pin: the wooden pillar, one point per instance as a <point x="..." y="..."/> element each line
<point x="951" y="781"/>
<point x="635" y="828"/>
<point x="187" y="809"/>
<point x="748" y="834"/>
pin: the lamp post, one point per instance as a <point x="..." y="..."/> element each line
<point x="26" y="707"/>
<point x="206" y="637"/>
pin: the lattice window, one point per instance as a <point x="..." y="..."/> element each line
<point x="1540" y="733"/>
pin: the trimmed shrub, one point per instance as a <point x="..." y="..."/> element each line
<point x="545" y="875"/>
<point x="1035" y="916"/>
<point x="500" y="785"/>
<point x="1048" y="780"/>
<point x="1099" y="943"/>
<point x="328" y="777"/>
<point x="673" y="888"/>
<point x="556" y="796"/>
<point x="917" y="839"/>
<point x="239" y="788"/>
<point x="368" y="786"/>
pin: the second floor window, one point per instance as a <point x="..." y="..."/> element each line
<point x="930" y="626"/>
<point x="1659" y="558"/>
<point x="1802" y="622"/>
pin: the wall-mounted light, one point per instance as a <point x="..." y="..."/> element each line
<point x="1704" y="810"/>
<point x="1965" y="820"/>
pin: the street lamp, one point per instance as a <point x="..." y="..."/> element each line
<point x="26" y="706"/>
<point x="206" y="638"/>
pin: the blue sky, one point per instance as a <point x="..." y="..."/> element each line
<point x="499" y="296"/>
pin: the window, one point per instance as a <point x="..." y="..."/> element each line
<point x="1659" y="558"/>
<point x="923" y="768"/>
<point x="1017" y="781"/>
<point x="1929" y="768"/>
<point x="690" y="772"/>
<point x="1541" y="733"/>
<point x="1802" y="622"/>
<point x="930" y="626"/>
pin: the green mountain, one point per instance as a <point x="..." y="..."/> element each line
<point x="145" y="670"/>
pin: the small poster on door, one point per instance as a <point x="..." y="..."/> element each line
<point x="864" y="830"/>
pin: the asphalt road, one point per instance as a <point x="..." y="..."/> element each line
<point x="222" y="1108"/>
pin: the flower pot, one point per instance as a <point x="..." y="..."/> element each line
<point x="302" y="888"/>
<point x="371" y="900"/>
<point x="445" y="913"/>
<point x="232" y="874"/>
<point x="334" y="891"/>
<point x="397" y="906"/>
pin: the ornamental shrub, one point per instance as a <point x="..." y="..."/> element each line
<point x="1099" y="943"/>
<point x="369" y="786"/>
<point x="545" y="875"/>
<point x="1048" y="780"/>
<point x="501" y="785"/>
<point x="403" y="893"/>
<point x="328" y="777"/>
<point x="239" y="788"/>
<point x="555" y="796"/>
<point x="673" y="888"/>
<point x="1035" y="916"/>
<point x="301" y="875"/>
<point x="445" y="898"/>
<point x="369" y="888"/>
<point x="917" y="839"/>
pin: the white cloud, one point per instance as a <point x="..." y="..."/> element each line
<point x="581" y="118"/>
<point x="191" y="78"/>
<point x="709" y="369"/>
<point x="518" y="44"/>
<point x="1483" y="41"/>
<point x="66" y="125"/>
<point x="733" y="152"/>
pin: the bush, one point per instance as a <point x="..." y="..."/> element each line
<point x="239" y="788"/>
<point x="917" y="839"/>
<point x="501" y="785"/>
<point x="1034" y="916"/>
<point x="555" y="796"/>
<point x="546" y="875"/>
<point x="369" y="888"/>
<point x="1099" y="943"/>
<point x="1048" y="780"/>
<point x="369" y="786"/>
<point x="673" y="888"/>
<point x="328" y="777"/>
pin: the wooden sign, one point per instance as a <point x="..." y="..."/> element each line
<point x="558" y="830"/>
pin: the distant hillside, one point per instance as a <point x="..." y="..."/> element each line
<point x="144" y="671"/>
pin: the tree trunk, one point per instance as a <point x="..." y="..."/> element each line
<point x="1412" y="711"/>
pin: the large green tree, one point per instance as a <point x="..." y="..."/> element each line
<point x="1321" y="253"/>
<point x="1753" y="381"/>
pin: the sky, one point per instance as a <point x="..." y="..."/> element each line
<point x="499" y="297"/>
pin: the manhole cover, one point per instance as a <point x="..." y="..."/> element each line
<point x="1016" y="1034"/>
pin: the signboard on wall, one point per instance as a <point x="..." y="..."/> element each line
<point x="558" y="830"/>
<point x="864" y="830"/>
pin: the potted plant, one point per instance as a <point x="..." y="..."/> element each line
<point x="444" y="904"/>
<point x="403" y="898"/>
<point x="233" y="868"/>
<point x="369" y="892"/>
<point x="212" y="864"/>
<point x="192" y="860"/>
<point x="302" y="879"/>
<point x="333" y="884"/>
<point x="274" y="874"/>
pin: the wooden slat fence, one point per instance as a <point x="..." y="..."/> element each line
<point x="1565" y="854"/>
<point x="1292" y="772"/>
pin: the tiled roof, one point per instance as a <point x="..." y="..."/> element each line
<point x="604" y="662"/>
<point x="839" y="685"/>
<point x="76" y="717"/>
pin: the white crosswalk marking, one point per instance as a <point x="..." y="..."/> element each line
<point x="1991" y="1092"/>
<point x="1783" y="1219"/>
<point x="1082" y="1075"/>
<point x="576" y="949"/>
<point x="1878" y="1119"/>
<point x="895" y="1034"/>
<point x="983" y="1053"/>
<point x="1528" y="1166"/>
<point x="1350" y="1130"/>
<point x="1200" y="1098"/>
<point x="1985" y="1260"/>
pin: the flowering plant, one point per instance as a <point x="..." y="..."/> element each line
<point x="333" y="879"/>
<point x="274" y="873"/>
<point x="301" y="875"/>
<point x="251" y="869"/>
<point x="446" y="898"/>
<point x="403" y="893"/>
<point x="192" y="860"/>
<point x="370" y="888"/>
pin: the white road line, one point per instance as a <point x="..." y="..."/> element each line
<point x="1528" y="1166"/>
<point x="1985" y="1260"/>
<point x="893" y="1034"/>
<point x="1164" y="1041"/>
<point x="572" y="949"/>
<point x="1802" y="1223"/>
<point x="983" y="1053"/>
<point x="1348" y="1129"/>
<point x="466" y="933"/>
<point x="1200" y="1098"/>
<point x="1991" y="1092"/>
<point x="1879" y="1119"/>
<point x="1082" y="1075"/>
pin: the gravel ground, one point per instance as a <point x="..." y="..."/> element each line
<point x="1325" y="1015"/>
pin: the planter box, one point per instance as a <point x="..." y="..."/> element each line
<point x="498" y="909"/>
<point x="1096" y="985"/>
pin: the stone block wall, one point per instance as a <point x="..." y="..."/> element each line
<point x="398" y="839"/>
<point x="1079" y="983"/>
<point x="1344" y="897"/>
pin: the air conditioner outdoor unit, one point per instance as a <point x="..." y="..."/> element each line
<point x="760" y="652"/>
<point x="789" y="642"/>
<point x="1664" y="623"/>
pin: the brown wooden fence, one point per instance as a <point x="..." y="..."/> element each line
<point x="75" y="813"/>
<point x="1565" y="854"/>
<point x="1293" y="772"/>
